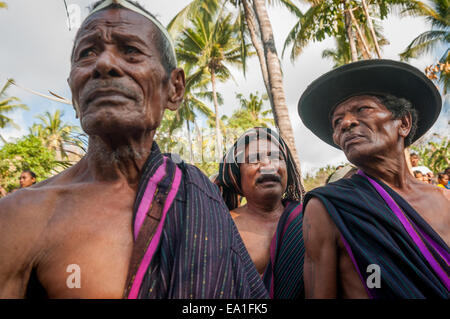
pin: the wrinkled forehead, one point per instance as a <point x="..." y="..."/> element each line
<point x="116" y="20"/>
<point x="356" y="100"/>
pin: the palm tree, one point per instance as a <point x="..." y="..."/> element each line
<point x="357" y="36"/>
<point x="251" y="113"/>
<point x="252" y="18"/>
<point x="211" y="44"/>
<point x="341" y="54"/>
<point x="7" y="105"/>
<point x="57" y="135"/>
<point x="192" y="103"/>
<point x="438" y="15"/>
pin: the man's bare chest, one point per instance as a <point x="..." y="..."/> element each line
<point x="86" y="248"/>
<point x="435" y="210"/>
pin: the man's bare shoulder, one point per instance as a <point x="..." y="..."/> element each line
<point x="317" y="223"/>
<point x="434" y="194"/>
<point x="25" y="213"/>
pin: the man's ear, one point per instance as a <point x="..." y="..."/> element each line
<point x="405" y="125"/>
<point x="177" y="84"/>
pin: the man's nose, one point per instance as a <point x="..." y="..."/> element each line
<point x="348" y="121"/>
<point x="107" y="65"/>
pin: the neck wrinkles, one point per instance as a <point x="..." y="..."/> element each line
<point x="116" y="158"/>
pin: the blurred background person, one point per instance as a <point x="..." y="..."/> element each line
<point x="442" y="180"/>
<point x="27" y="178"/>
<point x="415" y="164"/>
<point x="418" y="175"/>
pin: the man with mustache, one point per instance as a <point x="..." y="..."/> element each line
<point x="381" y="233"/>
<point x="260" y="168"/>
<point x="126" y="220"/>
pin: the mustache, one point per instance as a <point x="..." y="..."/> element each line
<point x="91" y="89"/>
<point x="268" y="177"/>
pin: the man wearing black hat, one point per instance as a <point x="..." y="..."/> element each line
<point x="381" y="233"/>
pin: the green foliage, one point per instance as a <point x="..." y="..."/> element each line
<point x="319" y="178"/>
<point x="58" y="136"/>
<point x="437" y="14"/>
<point x="7" y="105"/>
<point x="327" y="19"/>
<point x="252" y="113"/>
<point x="434" y="155"/>
<point x="27" y="153"/>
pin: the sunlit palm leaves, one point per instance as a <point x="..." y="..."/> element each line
<point x="58" y="136"/>
<point x="8" y="104"/>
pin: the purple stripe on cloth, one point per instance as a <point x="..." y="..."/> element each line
<point x="440" y="250"/>
<point x="411" y="231"/>
<point x="155" y="240"/>
<point x="273" y="246"/>
<point x="147" y="198"/>
<point x="350" y="253"/>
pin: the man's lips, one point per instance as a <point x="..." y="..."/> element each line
<point x="106" y="93"/>
<point x="268" y="178"/>
<point x="351" y="138"/>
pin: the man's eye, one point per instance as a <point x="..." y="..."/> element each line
<point x="86" y="52"/>
<point x="130" y="50"/>
<point x="336" y="122"/>
<point x="362" y="108"/>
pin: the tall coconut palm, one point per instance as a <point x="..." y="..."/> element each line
<point x="57" y="135"/>
<point x="192" y="103"/>
<point x="341" y="54"/>
<point x="211" y="45"/>
<point x="437" y="14"/>
<point x="8" y="105"/>
<point x="252" y="18"/>
<point x="347" y="22"/>
<point x="281" y="113"/>
<point x="251" y="113"/>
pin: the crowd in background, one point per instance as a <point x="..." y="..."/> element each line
<point x="425" y="174"/>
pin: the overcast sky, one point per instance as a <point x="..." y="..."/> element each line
<point x="36" y="43"/>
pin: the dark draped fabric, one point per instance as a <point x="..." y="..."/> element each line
<point x="375" y="235"/>
<point x="284" y="274"/>
<point x="199" y="253"/>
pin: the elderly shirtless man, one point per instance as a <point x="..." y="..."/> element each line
<point x="126" y="221"/>
<point x="260" y="168"/>
<point x="380" y="233"/>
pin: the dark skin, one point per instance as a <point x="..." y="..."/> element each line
<point x="26" y="179"/>
<point x="83" y="215"/>
<point x="374" y="142"/>
<point x="263" y="182"/>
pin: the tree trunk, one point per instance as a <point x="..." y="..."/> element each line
<point x="281" y="113"/>
<point x="349" y="30"/>
<point x="253" y="26"/>
<point x="191" y="157"/>
<point x="372" y="30"/>
<point x="364" y="48"/>
<point x="219" y="151"/>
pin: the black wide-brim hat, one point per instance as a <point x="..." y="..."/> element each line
<point x="368" y="77"/>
